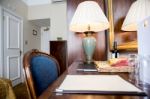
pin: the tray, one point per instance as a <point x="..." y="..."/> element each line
<point x="103" y="66"/>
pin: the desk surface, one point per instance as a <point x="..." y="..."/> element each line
<point x="49" y="94"/>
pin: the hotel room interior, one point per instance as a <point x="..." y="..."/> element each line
<point x="74" y="49"/>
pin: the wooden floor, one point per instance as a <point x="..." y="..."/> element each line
<point x="21" y="91"/>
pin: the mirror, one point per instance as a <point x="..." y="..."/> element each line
<point x="117" y="10"/>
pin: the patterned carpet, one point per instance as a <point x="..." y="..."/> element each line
<point x="21" y="91"/>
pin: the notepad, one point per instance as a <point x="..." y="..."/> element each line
<point x="86" y="67"/>
<point x="101" y="84"/>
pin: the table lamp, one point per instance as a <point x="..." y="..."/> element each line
<point x="138" y="11"/>
<point x="88" y="19"/>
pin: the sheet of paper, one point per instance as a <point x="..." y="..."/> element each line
<point x="97" y="83"/>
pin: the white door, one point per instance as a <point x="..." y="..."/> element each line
<point x="12" y="47"/>
<point x="45" y="38"/>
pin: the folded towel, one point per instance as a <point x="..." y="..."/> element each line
<point x="118" y="62"/>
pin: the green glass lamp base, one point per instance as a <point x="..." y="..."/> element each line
<point x="89" y="44"/>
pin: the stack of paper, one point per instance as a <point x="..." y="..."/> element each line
<point x="102" y="84"/>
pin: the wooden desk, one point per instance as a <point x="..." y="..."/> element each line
<point x="48" y="94"/>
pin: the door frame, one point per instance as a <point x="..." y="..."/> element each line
<point x="2" y="40"/>
<point x="1" y="45"/>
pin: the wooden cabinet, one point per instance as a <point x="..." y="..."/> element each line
<point x="58" y="49"/>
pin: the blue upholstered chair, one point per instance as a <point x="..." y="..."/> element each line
<point x="41" y="70"/>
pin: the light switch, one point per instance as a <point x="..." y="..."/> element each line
<point x="26" y="42"/>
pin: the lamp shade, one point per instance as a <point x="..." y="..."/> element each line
<point x="139" y="10"/>
<point x="88" y="17"/>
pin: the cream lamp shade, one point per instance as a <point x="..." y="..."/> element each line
<point x="88" y="17"/>
<point x="138" y="11"/>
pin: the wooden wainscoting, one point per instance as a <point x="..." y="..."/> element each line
<point x="75" y="50"/>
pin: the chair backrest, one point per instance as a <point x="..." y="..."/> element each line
<point x="41" y="70"/>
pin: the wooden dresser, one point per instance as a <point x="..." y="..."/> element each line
<point x="58" y="49"/>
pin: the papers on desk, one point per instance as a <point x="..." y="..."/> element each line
<point x="99" y="84"/>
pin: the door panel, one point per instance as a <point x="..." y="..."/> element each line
<point x="12" y="47"/>
<point x="14" y="30"/>
<point x="14" y="68"/>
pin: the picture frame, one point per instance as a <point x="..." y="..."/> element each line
<point x="125" y="40"/>
<point x="34" y="32"/>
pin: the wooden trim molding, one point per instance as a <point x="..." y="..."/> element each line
<point x="111" y="28"/>
<point x="132" y="46"/>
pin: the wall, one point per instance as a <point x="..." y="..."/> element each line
<point x="39" y="12"/>
<point x="58" y="26"/>
<point x="57" y="14"/>
<point x="21" y="9"/>
<point x="33" y="41"/>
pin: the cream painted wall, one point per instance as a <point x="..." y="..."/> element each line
<point x="33" y="41"/>
<point x="39" y="12"/>
<point x="21" y="9"/>
<point x="58" y="18"/>
<point x="57" y="14"/>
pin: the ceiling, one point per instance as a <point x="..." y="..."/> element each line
<point x="39" y="2"/>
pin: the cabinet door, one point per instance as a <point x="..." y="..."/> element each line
<point x="58" y="49"/>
